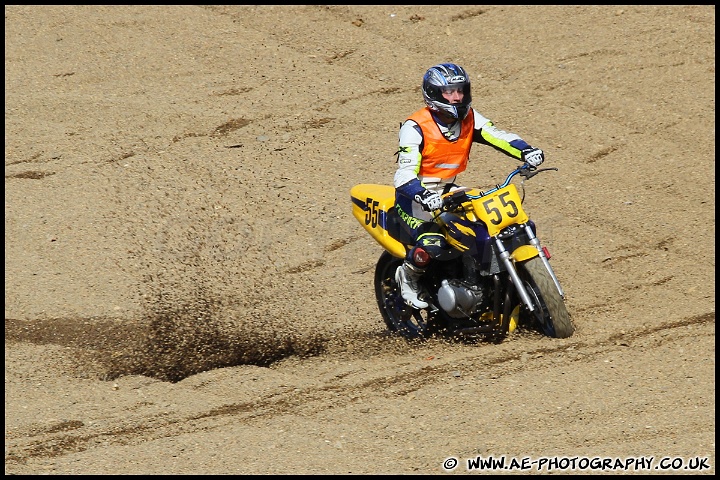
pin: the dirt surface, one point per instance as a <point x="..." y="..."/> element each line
<point x="187" y="292"/>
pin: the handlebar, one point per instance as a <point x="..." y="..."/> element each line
<point x="455" y="199"/>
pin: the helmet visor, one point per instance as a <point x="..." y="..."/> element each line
<point x="449" y="89"/>
<point x="452" y="90"/>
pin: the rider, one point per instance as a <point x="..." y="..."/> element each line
<point x="434" y="146"/>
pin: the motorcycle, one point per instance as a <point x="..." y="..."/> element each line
<point x="495" y="276"/>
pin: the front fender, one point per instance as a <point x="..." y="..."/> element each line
<point x="524" y="252"/>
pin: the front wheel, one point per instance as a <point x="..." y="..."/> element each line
<point x="399" y="317"/>
<point x="550" y="312"/>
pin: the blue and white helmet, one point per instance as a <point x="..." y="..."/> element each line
<point x="442" y="77"/>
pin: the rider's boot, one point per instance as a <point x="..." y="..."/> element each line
<point x="408" y="276"/>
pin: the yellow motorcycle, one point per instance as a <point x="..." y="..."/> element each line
<point x="496" y="275"/>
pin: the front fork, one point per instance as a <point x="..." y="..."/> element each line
<point x="510" y="267"/>
<point x="536" y="243"/>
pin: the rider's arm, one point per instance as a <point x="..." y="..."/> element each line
<point x="406" y="179"/>
<point x="506" y="142"/>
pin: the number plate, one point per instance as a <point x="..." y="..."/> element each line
<point x="500" y="209"/>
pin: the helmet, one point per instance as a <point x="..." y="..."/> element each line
<point x="441" y="77"/>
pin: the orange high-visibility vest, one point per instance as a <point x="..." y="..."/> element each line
<point x="441" y="157"/>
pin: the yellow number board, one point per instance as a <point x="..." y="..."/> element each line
<point x="500" y="209"/>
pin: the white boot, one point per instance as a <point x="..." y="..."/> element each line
<point x="407" y="277"/>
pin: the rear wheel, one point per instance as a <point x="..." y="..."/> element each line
<point x="550" y="313"/>
<point x="399" y="317"/>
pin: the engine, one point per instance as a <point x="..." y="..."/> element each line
<point x="459" y="300"/>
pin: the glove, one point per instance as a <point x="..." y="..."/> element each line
<point x="533" y="156"/>
<point x="429" y="200"/>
